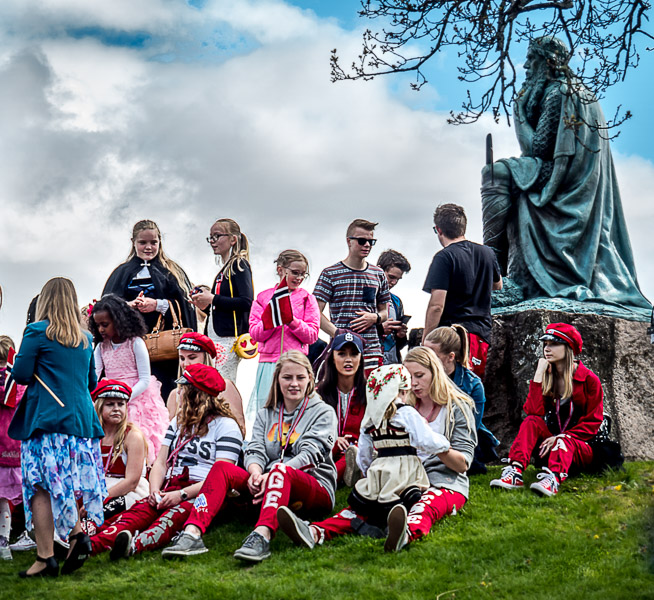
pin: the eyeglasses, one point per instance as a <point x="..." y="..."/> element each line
<point x="363" y="241"/>
<point x="298" y="274"/>
<point x="214" y="237"/>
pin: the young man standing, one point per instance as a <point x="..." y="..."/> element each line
<point x="357" y="293"/>
<point x="460" y="281"/>
<point x="393" y="331"/>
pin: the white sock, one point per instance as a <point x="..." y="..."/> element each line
<point x="5" y="518"/>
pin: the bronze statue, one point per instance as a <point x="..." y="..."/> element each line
<point x="554" y="215"/>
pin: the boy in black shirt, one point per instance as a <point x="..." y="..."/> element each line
<point x="460" y="281"/>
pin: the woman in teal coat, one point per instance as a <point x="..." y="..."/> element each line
<point x="58" y="428"/>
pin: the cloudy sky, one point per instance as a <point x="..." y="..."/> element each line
<point x="184" y="112"/>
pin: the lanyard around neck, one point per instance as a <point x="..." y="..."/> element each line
<point x="280" y="425"/>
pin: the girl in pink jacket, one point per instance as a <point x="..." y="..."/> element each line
<point x="282" y="318"/>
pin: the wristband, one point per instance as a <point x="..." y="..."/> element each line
<point x="378" y="319"/>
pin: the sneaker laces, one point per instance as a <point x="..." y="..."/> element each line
<point x="546" y="477"/>
<point x="252" y="540"/>
<point x="511" y="471"/>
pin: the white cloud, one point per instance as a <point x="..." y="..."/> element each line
<point x="98" y="137"/>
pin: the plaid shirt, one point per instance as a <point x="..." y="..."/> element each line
<point x="348" y="291"/>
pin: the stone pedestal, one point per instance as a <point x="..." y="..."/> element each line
<point x="619" y="351"/>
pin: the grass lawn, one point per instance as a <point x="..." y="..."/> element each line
<point x="595" y="540"/>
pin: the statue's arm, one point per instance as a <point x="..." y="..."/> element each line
<point x="544" y="140"/>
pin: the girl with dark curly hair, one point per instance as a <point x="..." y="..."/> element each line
<point x="121" y="354"/>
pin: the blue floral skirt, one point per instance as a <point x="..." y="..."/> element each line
<point x="69" y="468"/>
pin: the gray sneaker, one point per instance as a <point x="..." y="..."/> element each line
<point x="398" y="535"/>
<point x="255" y="548"/>
<point x="185" y="545"/>
<point x="5" y="553"/>
<point x="296" y="529"/>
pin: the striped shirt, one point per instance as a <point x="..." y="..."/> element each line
<point x="223" y="441"/>
<point x="347" y="291"/>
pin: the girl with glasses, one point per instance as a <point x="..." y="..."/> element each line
<point x="294" y="327"/>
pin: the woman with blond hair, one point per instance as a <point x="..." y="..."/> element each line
<point x="230" y="298"/>
<point x="564" y="408"/>
<point x="59" y="431"/>
<point x="288" y="462"/>
<point x="448" y="413"/>
<point x="155" y="285"/>
<point x="451" y="344"/>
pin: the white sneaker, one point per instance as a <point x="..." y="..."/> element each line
<point x="5" y="552"/>
<point x="23" y="543"/>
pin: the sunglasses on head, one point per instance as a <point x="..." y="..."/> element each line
<point x="363" y="241"/>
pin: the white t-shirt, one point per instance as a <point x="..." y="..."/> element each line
<point x="222" y="441"/>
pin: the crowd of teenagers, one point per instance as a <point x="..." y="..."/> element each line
<point x="110" y="447"/>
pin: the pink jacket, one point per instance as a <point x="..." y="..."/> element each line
<point x="298" y="334"/>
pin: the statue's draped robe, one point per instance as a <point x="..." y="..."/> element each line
<point x="572" y="236"/>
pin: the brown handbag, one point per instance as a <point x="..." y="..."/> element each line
<point x="162" y="345"/>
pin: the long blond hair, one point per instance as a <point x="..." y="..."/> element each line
<point x="241" y="250"/>
<point x="569" y="368"/>
<point x="5" y="343"/>
<point x="197" y="409"/>
<point x="121" y="431"/>
<point x="452" y="338"/>
<point x="296" y="357"/>
<point x="169" y="264"/>
<point x="57" y="303"/>
<point x="442" y="390"/>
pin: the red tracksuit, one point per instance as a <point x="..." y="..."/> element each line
<point x="433" y="506"/>
<point x="587" y="415"/>
<point x="157" y="527"/>
<point x="285" y="486"/>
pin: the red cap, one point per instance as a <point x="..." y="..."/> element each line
<point x="564" y="333"/>
<point x="204" y="378"/>
<point x="112" y="388"/>
<point x="196" y="342"/>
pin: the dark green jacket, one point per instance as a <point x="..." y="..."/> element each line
<point x="69" y="373"/>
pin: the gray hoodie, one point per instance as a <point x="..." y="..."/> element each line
<point x="461" y="439"/>
<point x="311" y="451"/>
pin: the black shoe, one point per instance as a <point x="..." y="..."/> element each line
<point x="51" y="568"/>
<point x="80" y="550"/>
<point x="122" y="545"/>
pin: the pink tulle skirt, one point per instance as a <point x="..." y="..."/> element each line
<point x="148" y="411"/>
<point x="11" y="484"/>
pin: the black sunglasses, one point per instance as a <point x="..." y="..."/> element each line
<point x="363" y="241"/>
<point x="214" y="237"/>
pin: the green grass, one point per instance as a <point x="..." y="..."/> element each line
<point x="595" y="540"/>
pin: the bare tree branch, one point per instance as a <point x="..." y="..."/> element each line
<point x="602" y="35"/>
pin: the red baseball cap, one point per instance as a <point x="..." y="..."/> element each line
<point x="563" y="333"/>
<point x="204" y="378"/>
<point x="112" y="388"/>
<point x="196" y="342"/>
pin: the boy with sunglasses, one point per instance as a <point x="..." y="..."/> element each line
<point x="460" y="281"/>
<point x="357" y="293"/>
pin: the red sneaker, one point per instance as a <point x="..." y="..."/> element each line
<point x="547" y="484"/>
<point x="511" y="478"/>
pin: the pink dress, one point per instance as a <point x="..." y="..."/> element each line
<point x="148" y="410"/>
<point x="10" y="479"/>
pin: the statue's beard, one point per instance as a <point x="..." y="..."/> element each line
<point x="534" y="89"/>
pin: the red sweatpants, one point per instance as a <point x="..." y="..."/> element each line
<point x="433" y="506"/>
<point x="157" y="527"/>
<point x="478" y="354"/>
<point x="285" y="486"/>
<point x="566" y="451"/>
<point x="340" y="467"/>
